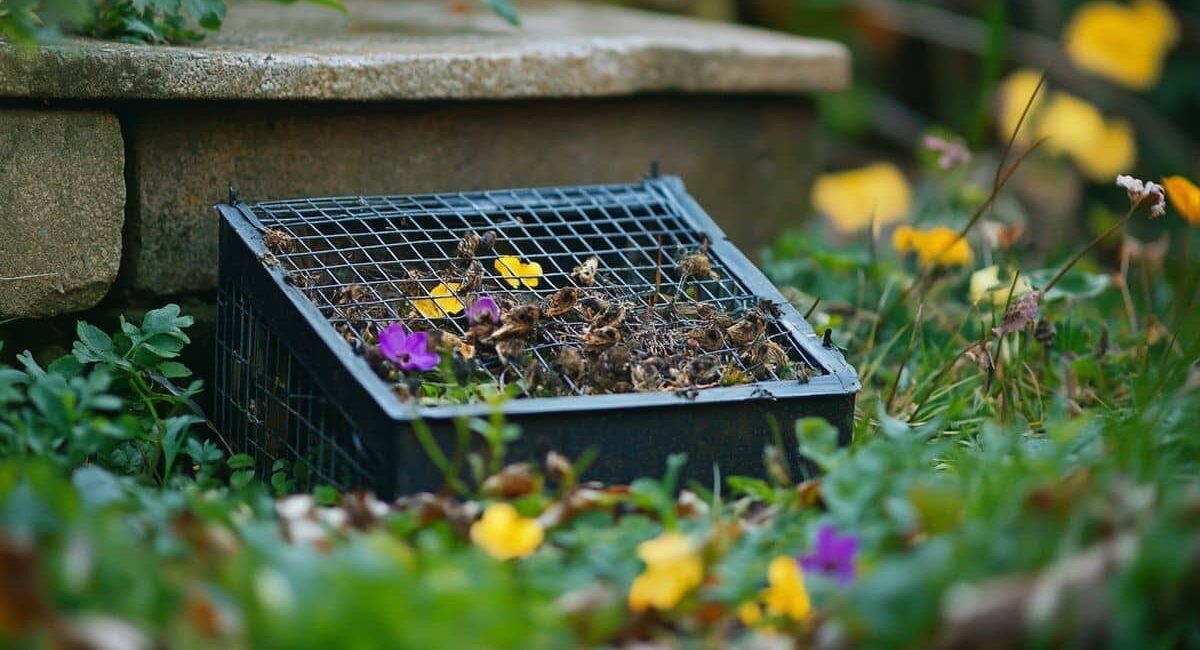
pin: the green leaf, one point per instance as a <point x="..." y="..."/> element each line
<point x="97" y="487"/>
<point x="174" y="370"/>
<point x="240" y="461"/>
<point x="67" y="366"/>
<point x="818" y="441"/>
<point x="505" y="10"/>
<point x="241" y="478"/>
<point x="93" y="337"/>
<point x="325" y="495"/>
<point x="1075" y="284"/>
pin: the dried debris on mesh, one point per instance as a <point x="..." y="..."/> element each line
<point x="591" y="336"/>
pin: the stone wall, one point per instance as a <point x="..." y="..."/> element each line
<point x="403" y="97"/>
<point x="62" y="205"/>
<point x="747" y="159"/>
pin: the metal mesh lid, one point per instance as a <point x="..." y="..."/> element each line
<point x="367" y="262"/>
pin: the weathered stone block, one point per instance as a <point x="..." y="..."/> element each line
<point x="748" y="159"/>
<point x="62" y="206"/>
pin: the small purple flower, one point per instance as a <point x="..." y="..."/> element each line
<point x="408" y="350"/>
<point x="832" y="555"/>
<point x="482" y="307"/>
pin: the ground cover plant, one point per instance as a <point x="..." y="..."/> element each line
<point x="1023" y="472"/>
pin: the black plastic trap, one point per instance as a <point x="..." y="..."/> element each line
<point x="306" y="284"/>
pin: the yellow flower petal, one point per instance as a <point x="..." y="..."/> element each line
<point x="673" y="568"/>
<point x="938" y="246"/>
<point x="785" y="594"/>
<point x="1102" y="149"/>
<point x="852" y="198"/>
<point x="986" y="283"/>
<point x="1014" y="92"/>
<point x="749" y="614"/>
<point x="1185" y="197"/>
<point x="1126" y="44"/>
<point x="504" y="534"/>
<point x="441" y="303"/>
<point x="1114" y="151"/>
<point x="515" y="272"/>
<point x="902" y="239"/>
<point x="1069" y="124"/>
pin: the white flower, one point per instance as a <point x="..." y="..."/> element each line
<point x="1140" y="191"/>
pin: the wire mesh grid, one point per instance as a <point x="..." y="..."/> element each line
<point x="270" y="407"/>
<point x="366" y="261"/>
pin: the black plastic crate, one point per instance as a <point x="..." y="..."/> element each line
<point x="290" y="386"/>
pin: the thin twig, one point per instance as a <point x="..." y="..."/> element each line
<point x="1087" y="249"/>
<point x="813" y="308"/>
<point x="657" y="273"/>
<point x="29" y="277"/>
<point x="912" y="339"/>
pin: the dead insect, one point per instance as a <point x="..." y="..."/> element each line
<point x="571" y="364"/>
<point x="766" y="355"/>
<point x="487" y="243"/>
<point x="708" y="338"/>
<point x="411" y="284"/>
<point x="510" y="350"/>
<point x="596" y="340"/>
<point x="611" y="315"/>
<point x="747" y="330"/>
<point x="350" y="294"/>
<point x="472" y="279"/>
<point x="561" y="302"/>
<point x="646" y="375"/>
<point x="467" y="247"/>
<point x="770" y="307"/>
<point x="444" y="341"/>
<point x="701" y="371"/>
<point x="542" y="382"/>
<point x="585" y="274"/>
<point x="697" y="266"/>
<point x="611" y="370"/>
<point x="1045" y="332"/>
<point x="693" y="310"/>
<point x="518" y="321"/>
<point x="732" y="375"/>
<point x="278" y="241"/>
<point x="591" y="305"/>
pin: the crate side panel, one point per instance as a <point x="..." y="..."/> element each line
<point x="271" y="406"/>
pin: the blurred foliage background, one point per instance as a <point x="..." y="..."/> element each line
<point x="1123" y="87"/>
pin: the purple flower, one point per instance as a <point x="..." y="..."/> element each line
<point x="408" y="350"/>
<point x="484" y="306"/>
<point x="832" y="555"/>
<point x="951" y="153"/>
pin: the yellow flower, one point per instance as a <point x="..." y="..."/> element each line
<point x="515" y="272"/>
<point x="1102" y="149"/>
<point x="1123" y="43"/>
<point x="986" y="283"/>
<point x="1185" y="197"/>
<point x="938" y="246"/>
<point x="852" y="198"/>
<point x="1015" y="91"/>
<point x="749" y="614"/>
<point x="785" y="594"/>
<point x="673" y="568"/>
<point x="442" y="301"/>
<point x="503" y="533"/>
